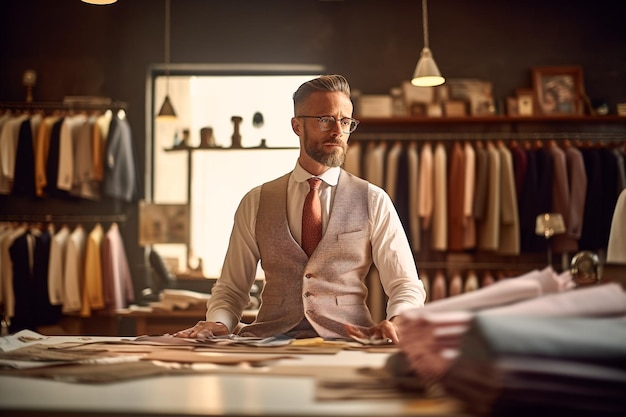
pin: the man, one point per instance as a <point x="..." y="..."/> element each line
<point x="317" y="291"/>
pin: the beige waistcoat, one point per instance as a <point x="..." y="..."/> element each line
<point x="329" y="288"/>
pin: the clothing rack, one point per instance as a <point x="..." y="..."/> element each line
<point x="448" y="136"/>
<point x="80" y="218"/>
<point x="64" y="105"/>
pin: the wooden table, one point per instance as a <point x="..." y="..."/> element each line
<point x="214" y="393"/>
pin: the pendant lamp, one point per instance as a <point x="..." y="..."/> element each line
<point x="167" y="110"/>
<point x="99" y="2"/>
<point x="426" y="72"/>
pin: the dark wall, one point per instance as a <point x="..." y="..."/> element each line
<point x="80" y="49"/>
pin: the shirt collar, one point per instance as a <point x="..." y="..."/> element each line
<point x="330" y="177"/>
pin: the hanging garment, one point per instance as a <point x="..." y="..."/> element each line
<point x="74" y="271"/>
<point x="509" y="217"/>
<point x="413" y="196"/>
<point x="391" y="171"/>
<point x="352" y="164"/>
<point x="479" y="208"/>
<point x="374" y="168"/>
<point x="92" y="291"/>
<point x="8" y="148"/>
<point x="402" y="191"/>
<point x="42" y="148"/>
<point x="577" y="185"/>
<point x="456" y="197"/>
<point x="68" y="138"/>
<point x="426" y="184"/>
<point x="489" y="227"/>
<point x="56" y="266"/>
<point x="120" y="179"/>
<point x="24" y="172"/>
<point x="440" y="200"/>
<point x="469" y="225"/>
<point x="52" y="163"/>
<point x="116" y="278"/>
<point x="84" y="183"/>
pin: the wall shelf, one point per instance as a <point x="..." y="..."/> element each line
<point x="492" y="127"/>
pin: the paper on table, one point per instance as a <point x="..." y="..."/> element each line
<point x="229" y="339"/>
<point x="20" y="339"/>
<point x="193" y="357"/>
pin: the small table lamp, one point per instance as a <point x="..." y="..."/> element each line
<point x="548" y="225"/>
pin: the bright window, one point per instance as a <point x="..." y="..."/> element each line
<point x="219" y="179"/>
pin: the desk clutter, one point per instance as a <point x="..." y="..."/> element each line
<point x="106" y="360"/>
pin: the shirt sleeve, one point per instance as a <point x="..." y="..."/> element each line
<point x="392" y="255"/>
<point x="231" y="293"/>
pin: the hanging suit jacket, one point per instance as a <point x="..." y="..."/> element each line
<point x="24" y="173"/>
<point x="489" y="227"/>
<point x="328" y="289"/>
<point x="456" y="197"/>
<point x="440" y="202"/>
<point x="569" y="197"/>
<point x="402" y="192"/>
<point x="413" y="203"/>
<point x="120" y="179"/>
<point x="509" y="217"/>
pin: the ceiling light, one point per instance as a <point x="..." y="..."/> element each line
<point x="426" y="72"/>
<point x="99" y="2"/>
<point x="167" y="110"/>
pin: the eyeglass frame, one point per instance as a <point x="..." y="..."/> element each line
<point x="319" y="120"/>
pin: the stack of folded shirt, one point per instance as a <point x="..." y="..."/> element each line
<point x="533" y="365"/>
<point x="430" y="337"/>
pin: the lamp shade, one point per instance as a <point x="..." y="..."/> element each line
<point x="167" y="110"/>
<point x="99" y="2"/>
<point x="426" y="72"/>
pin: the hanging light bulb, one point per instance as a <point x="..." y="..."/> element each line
<point x="167" y="110"/>
<point x="426" y="72"/>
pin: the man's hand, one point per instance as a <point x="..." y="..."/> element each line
<point x="203" y="329"/>
<point x="383" y="330"/>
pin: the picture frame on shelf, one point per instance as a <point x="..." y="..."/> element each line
<point x="478" y="94"/>
<point x="163" y="223"/>
<point x="455" y="108"/>
<point x="375" y="105"/>
<point x="525" y="101"/>
<point x="559" y="90"/>
<point x="512" y="108"/>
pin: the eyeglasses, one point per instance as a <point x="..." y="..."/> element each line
<point x="348" y="124"/>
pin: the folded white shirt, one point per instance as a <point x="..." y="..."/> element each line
<point x="598" y="300"/>
<point x="509" y="290"/>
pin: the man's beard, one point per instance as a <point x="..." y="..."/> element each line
<point x="333" y="159"/>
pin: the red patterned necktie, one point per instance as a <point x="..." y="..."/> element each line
<point x="312" y="217"/>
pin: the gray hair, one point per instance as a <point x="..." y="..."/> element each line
<point x="332" y="83"/>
